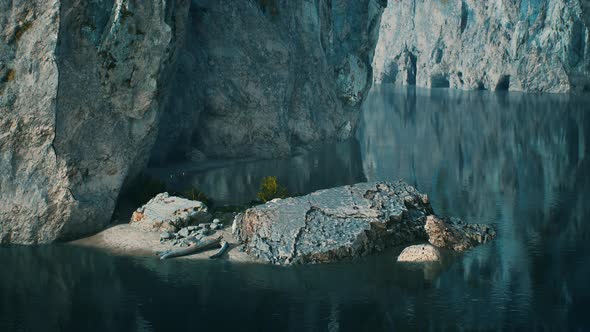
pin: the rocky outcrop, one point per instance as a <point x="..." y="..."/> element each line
<point x="335" y="224"/>
<point x="83" y="86"/>
<point x="455" y="234"/>
<point x="420" y="253"/>
<point x="165" y="213"/>
<point x="496" y="45"/>
<point x="259" y="77"/>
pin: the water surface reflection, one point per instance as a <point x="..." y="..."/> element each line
<point x="518" y="161"/>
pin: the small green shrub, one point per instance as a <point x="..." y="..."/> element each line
<point x="270" y="188"/>
<point x="196" y="195"/>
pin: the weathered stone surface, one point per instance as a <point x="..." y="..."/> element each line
<point x="419" y="254"/>
<point x="165" y="213"/>
<point x="333" y="224"/>
<point x="78" y="109"/>
<point x="455" y="234"/>
<point x="344" y="222"/>
<point x="496" y="45"/>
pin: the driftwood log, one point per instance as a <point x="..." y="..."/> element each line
<point x="221" y="251"/>
<point x="203" y="245"/>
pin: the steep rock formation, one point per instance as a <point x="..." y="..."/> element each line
<point x="78" y="109"/>
<point x="258" y="77"/>
<point x="83" y="86"/>
<point x="528" y="45"/>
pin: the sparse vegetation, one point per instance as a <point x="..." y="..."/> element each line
<point x="270" y="188"/>
<point x="196" y="195"/>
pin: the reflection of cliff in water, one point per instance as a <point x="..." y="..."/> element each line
<point x="325" y="166"/>
<point x="518" y="160"/>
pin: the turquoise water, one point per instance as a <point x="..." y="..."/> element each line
<point x="518" y="161"/>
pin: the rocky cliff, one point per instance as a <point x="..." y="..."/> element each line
<point x="78" y="109"/>
<point x="86" y="86"/>
<point x="525" y="45"/>
<point x="260" y="77"/>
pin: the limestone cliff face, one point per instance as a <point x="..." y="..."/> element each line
<point x="85" y="86"/>
<point x="525" y="45"/>
<point x="78" y="109"/>
<point x="258" y="77"/>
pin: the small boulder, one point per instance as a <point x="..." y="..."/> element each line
<point x="216" y="221"/>
<point x="165" y="213"/>
<point x="454" y="234"/>
<point x="184" y="232"/>
<point x="420" y="254"/>
<point x="166" y="236"/>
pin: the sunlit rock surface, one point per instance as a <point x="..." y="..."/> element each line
<point x="455" y="234"/>
<point x="528" y="45"/>
<point x="420" y="253"/>
<point x="345" y="222"/>
<point x="165" y="213"/>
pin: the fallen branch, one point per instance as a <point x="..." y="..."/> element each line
<point x="203" y="245"/>
<point x="221" y="251"/>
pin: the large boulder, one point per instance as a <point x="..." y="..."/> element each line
<point x="165" y="213"/>
<point x="334" y="224"/>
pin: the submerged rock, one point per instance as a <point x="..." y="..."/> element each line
<point x="165" y="213"/>
<point x="420" y="253"/>
<point x="350" y="221"/>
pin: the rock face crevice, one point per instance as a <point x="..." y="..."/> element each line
<point x="536" y="46"/>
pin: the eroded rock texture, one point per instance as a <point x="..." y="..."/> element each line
<point x="78" y="109"/>
<point x="165" y="213"/>
<point x="340" y="223"/>
<point x="529" y="45"/>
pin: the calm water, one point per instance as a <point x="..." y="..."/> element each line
<point x="519" y="161"/>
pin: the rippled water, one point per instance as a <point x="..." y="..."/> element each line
<point x="518" y="161"/>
